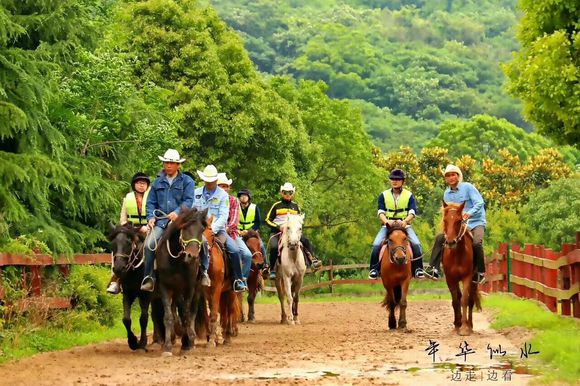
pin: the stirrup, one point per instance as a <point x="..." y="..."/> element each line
<point x="373" y="274"/>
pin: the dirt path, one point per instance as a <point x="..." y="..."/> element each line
<point x="338" y="343"/>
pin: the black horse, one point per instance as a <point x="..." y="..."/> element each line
<point x="177" y="258"/>
<point x="127" y="247"/>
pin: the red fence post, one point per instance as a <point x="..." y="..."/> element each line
<point x="527" y="271"/>
<point x="575" y="266"/>
<point x="566" y="280"/>
<point x="516" y="270"/>
<point x="503" y="267"/>
<point x="551" y="280"/>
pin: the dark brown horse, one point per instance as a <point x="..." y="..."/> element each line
<point x="458" y="267"/>
<point x="220" y="295"/>
<point x="177" y="257"/>
<point x="255" y="282"/>
<point x="127" y="248"/>
<point x="396" y="274"/>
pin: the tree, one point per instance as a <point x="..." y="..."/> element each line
<point x="545" y="73"/>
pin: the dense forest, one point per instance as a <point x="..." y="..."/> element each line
<point x="93" y="91"/>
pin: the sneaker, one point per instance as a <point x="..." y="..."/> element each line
<point x="479" y="278"/>
<point x="431" y="272"/>
<point x="148" y="284"/>
<point x="205" y="280"/>
<point x="316" y="264"/>
<point x="373" y="274"/>
<point x="114" y="288"/>
<point x="272" y="275"/>
<point x="239" y="286"/>
<point x="419" y="273"/>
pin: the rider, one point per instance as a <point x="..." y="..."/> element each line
<point x="133" y="210"/>
<point x="170" y="191"/>
<point x="277" y="216"/>
<point x="216" y="200"/>
<point x="397" y="206"/>
<point x="474" y="213"/>
<point x="250" y="218"/>
<point x="232" y="225"/>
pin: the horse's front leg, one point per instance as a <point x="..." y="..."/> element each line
<point x="296" y="285"/>
<point x="391" y="308"/>
<point x="167" y="319"/>
<point x="289" y="298"/>
<point x="241" y="300"/>
<point x="403" y="304"/>
<point x="280" y="291"/>
<point x="465" y="329"/>
<point x="214" y="294"/>
<point x="144" y="301"/>
<point x="188" y="337"/>
<point x="251" y="300"/>
<point x="455" y="303"/>
<point x="128" y="299"/>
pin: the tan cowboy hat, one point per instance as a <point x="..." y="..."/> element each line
<point x="453" y="169"/>
<point x="171" y="155"/>
<point x="287" y="187"/>
<point x="209" y="174"/>
<point x="223" y="179"/>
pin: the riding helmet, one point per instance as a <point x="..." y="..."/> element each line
<point x="140" y="176"/>
<point x="246" y="192"/>
<point x="397" y="174"/>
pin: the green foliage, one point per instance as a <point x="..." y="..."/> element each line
<point x="545" y="73"/>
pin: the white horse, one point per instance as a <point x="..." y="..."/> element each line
<point x="290" y="268"/>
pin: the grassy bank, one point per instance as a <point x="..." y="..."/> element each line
<point x="556" y="338"/>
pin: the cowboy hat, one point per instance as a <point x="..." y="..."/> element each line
<point x="287" y="187"/>
<point x="453" y="169"/>
<point x="223" y="179"/>
<point x="209" y="174"/>
<point x="171" y="155"/>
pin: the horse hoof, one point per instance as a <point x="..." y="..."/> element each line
<point x="252" y="321"/>
<point x="166" y="354"/>
<point x="464" y="332"/>
<point x="297" y="322"/>
<point x="211" y="344"/>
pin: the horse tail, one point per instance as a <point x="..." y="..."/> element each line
<point x="199" y="306"/>
<point x="385" y="302"/>
<point x="230" y="310"/>
<point x="477" y="298"/>
<point x="397" y="293"/>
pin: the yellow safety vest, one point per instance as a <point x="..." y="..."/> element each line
<point x="398" y="210"/>
<point x="247" y="222"/>
<point x="131" y="207"/>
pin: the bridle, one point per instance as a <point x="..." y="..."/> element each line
<point x="462" y="231"/>
<point x="393" y="250"/>
<point x="132" y="257"/>
<point x="183" y="243"/>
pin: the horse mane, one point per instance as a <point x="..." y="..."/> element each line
<point x="187" y="216"/>
<point x="127" y="228"/>
<point x="398" y="227"/>
<point x="453" y="205"/>
<point x="251" y="235"/>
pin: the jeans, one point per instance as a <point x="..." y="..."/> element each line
<point x="151" y="242"/>
<point x="413" y="239"/>
<point x="234" y="253"/>
<point x="246" y="256"/>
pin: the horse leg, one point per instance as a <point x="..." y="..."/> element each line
<point x="167" y="320"/>
<point x="296" y="295"/>
<point x="188" y="337"/>
<point x="472" y="295"/>
<point x="144" y="301"/>
<point x="403" y="304"/>
<point x="214" y="295"/>
<point x="251" y="299"/>
<point x="241" y="299"/>
<point x="289" y="298"/>
<point x="127" y="302"/>
<point x="280" y="291"/>
<point x="455" y="302"/>
<point x="464" y="329"/>
<point x="390" y="303"/>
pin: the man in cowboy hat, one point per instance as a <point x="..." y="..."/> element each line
<point x="133" y="210"/>
<point x="473" y="212"/>
<point x="216" y="200"/>
<point x="397" y="206"/>
<point x="170" y="191"/>
<point x="250" y="218"/>
<point x="232" y="225"/>
<point x="276" y="218"/>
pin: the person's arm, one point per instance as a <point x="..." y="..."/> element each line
<point x="220" y="222"/>
<point x="476" y="200"/>
<point x="123" y="216"/>
<point x="234" y="217"/>
<point x="412" y="210"/>
<point x="188" y="195"/>
<point x="257" y="220"/>
<point x="270" y="218"/>
<point x="382" y="208"/>
<point x="152" y="203"/>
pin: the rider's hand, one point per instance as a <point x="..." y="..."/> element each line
<point x="144" y="229"/>
<point x="172" y="216"/>
<point x="390" y="223"/>
<point x="243" y="233"/>
<point x="466" y="216"/>
<point x="151" y="223"/>
<point x="403" y="224"/>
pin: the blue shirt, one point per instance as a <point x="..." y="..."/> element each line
<point x="474" y="204"/>
<point x="217" y="202"/>
<point x="169" y="197"/>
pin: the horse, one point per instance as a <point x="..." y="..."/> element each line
<point x="290" y="268"/>
<point x="458" y="266"/>
<point x="220" y="294"/>
<point x="255" y="282"/>
<point x="127" y="246"/>
<point x="396" y="274"/>
<point x="177" y="258"/>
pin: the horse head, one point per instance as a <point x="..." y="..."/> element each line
<point x="126" y="245"/>
<point x="397" y="243"/>
<point x="253" y="241"/>
<point x="454" y="227"/>
<point x="293" y="231"/>
<point x="191" y="224"/>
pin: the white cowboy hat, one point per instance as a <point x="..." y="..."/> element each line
<point x="209" y="174"/>
<point x="223" y="179"/>
<point x="288" y="187"/>
<point x="453" y="169"/>
<point x="171" y="155"/>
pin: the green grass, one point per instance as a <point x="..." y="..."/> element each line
<point x="557" y="338"/>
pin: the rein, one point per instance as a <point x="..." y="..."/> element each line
<point x="133" y="256"/>
<point x="462" y="232"/>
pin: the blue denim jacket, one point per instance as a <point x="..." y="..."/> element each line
<point x="218" y="204"/>
<point x="169" y="198"/>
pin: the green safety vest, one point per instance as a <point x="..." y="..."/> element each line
<point x="247" y="222"/>
<point x="131" y="207"/>
<point x="400" y="210"/>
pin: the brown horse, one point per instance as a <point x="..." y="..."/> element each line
<point x="255" y="282"/>
<point x="396" y="274"/>
<point x="458" y="267"/>
<point x="220" y="295"/>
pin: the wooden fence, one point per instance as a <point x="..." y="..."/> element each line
<point x="539" y="273"/>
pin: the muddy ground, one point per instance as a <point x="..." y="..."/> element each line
<point x="337" y="343"/>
